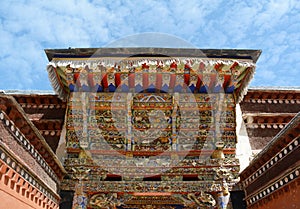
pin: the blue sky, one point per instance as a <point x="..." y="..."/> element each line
<point x="28" y="27"/>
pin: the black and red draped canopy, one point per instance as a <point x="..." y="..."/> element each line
<point x="151" y="70"/>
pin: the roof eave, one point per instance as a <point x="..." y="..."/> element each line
<point x="252" y="54"/>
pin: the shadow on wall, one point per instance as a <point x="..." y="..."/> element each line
<point x="237" y="199"/>
<point x="66" y="199"/>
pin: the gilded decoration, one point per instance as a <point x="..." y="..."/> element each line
<point x="141" y="135"/>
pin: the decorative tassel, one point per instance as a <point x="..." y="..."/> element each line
<point x="104" y="81"/>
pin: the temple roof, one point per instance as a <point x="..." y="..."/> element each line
<point x="227" y="70"/>
<point x="266" y="111"/>
<point x="19" y="117"/>
<point x="47" y="113"/>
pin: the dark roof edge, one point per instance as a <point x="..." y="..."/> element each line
<point x="252" y="54"/>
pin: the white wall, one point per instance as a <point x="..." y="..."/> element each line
<point x="243" y="147"/>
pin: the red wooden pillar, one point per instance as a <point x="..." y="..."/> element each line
<point x="104" y="82"/>
<point x="145" y="69"/>
<point x="76" y="79"/>
<point x="200" y="76"/>
<point x="158" y="81"/>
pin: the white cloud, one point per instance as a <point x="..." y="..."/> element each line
<point x="27" y="27"/>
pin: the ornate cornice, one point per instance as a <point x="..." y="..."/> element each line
<point x="25" y="143"/>
<point x="291" y="147"/>
<point x="275" y="166"/>
<point x="276" y="96"/>
<point x="230" y="70"/>
<point x="267" y="120"/>
<point x="24" y="131"/>
<point x="148" y="186"/>
<point x="275" y="186"/>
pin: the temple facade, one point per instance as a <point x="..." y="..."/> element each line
<point x="150" y="128"/>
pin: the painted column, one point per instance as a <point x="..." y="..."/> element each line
<point x="145" y="69"/>
<point x="80" y="199"/>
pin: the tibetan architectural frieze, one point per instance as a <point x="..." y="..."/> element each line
<point x="110" y="70"/>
